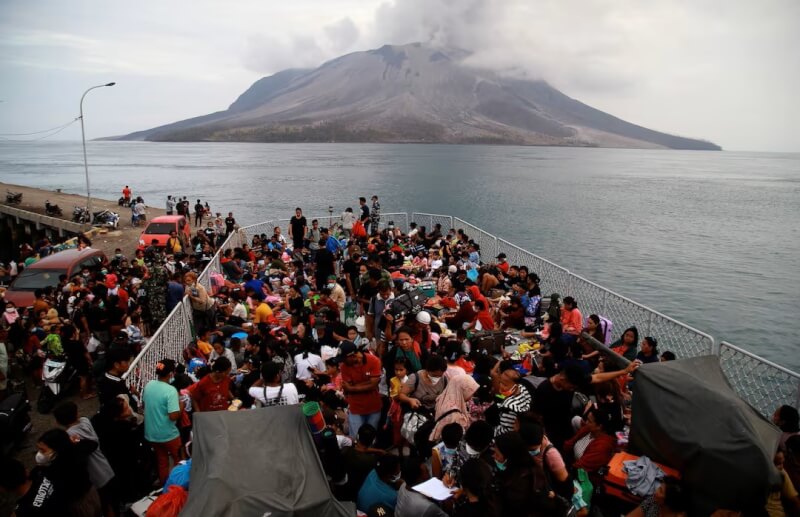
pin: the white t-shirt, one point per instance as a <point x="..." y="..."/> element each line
<point x="289" y="395"/>
<point x="436" y="264"/>
<point x="313" y="360"/>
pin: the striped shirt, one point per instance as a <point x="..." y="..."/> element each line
<point x="512" y="406"/>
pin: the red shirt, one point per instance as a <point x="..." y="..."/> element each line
<point x="367" y="402"/>
<point x="210" y="395"/>
<point x="503" y="266"/>
<point x="486" y="320"/>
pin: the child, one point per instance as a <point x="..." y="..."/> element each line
<point x="395" y="414"/>
<point x="444" y="452"/>
<point x="204" y="343"/>
<point x="334" y="378"/>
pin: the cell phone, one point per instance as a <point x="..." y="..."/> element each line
<point x="195" y="292"/>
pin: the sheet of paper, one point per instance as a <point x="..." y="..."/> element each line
<point x="435" y="489"/>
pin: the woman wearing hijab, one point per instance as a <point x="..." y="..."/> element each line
<point x="451" y="405"/>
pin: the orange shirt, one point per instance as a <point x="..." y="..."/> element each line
<point x="571" y="321"/>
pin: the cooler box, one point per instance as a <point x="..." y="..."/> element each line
<point x="614" y="478"/>
<point x="427" y="288"/>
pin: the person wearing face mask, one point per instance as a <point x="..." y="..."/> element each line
<point x="60" y="479"/>
<point x="451" y="405"/>
<point x="337" y="292"/>
<point x="411" y="503"/>
<point x="423" y="387"/>
<point x="443" y="453"/>
<point x="543" y="452"/>
<point x="521" y="483"/>
<point x="10" y="315"/>
<point x="380" y="486"/>
<point x="161" y="410"/>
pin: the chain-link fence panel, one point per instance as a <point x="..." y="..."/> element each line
<point x="431" y="220"/>
<point x="682" y="340"/>
<point x="553" y="278"/>
<point x="763" y="384"/>
<point x="589" y="296"/>
<point x="398" y="219"/>
<point x="167" y="342"/>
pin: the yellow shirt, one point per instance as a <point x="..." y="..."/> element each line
<point x="395" y="384"/>
<point x="262" y="313"/>
<point x="204" y="347"/>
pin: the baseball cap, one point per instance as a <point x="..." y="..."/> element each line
<point x="347" y="348"/>
<point x="502" y="255"/>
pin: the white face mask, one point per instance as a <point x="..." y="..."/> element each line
<point x="471" y="451"/>
<point x="10" y="309"/>
<point x="434" y="380"/>
<point x="44" y="459"/>
<point x="395" y="478"/>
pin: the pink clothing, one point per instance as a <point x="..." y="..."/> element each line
<point x="458" y="391"/>
<point x="571" y="321"/>
<point x="453" y="371"/>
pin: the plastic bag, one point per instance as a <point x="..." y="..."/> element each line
<point x="169" y="504"/>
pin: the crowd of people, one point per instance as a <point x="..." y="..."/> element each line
<point x="323" y="314"/>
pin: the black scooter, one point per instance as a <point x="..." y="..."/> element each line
<point x="52" y="210"/>
<point x="13" y="198"/>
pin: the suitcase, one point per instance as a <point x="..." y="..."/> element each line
<point x="614" y="478"/>
<point x="491" y="342"/>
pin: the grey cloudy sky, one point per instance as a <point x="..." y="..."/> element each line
<point x="727" y="71"/>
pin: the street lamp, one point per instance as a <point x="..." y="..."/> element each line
<point x="85" y="163"/>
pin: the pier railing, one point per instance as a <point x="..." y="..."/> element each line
<point x="763" y="384"/>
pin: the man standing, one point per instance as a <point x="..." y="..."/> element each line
<point x="199" y="210"/>
<point x="375" y="214"/>
<point x="361" y="374"/>
<point x="325" y="261"/>
<point x="362" y="201"/>
<point x="161" y="410"/>
<point x="230" y="223"/>
<point x="313" y="236"/>
<point x="170" y="205"/>
<point x="126" y="195"/>
<point x="298" y="226"/>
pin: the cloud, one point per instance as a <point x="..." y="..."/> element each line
<point x="342" y="34"/>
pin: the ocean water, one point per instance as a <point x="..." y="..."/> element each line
<point x="709" y="238"/>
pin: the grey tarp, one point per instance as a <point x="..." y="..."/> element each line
<point x="258" y="462"/>
<point x="686" y="416"/>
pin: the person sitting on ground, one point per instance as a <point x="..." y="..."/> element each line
<point x="269" y="390"/>
<point x="476" y="498"/>
<point x="522" y="486"/>
<point x="444" y="452"/>
<point x="482" y="316"/>
<point x="571" y="317"/>
<point x="669" y="500"/>
<point x="511" y="399"/>
<point x="221" y="351"/>
<point x="667" y="356"/>
<point x="411" y="503"/>
<point x="788" y="421"/>
<point x="649" y="351"/>
<point x="783" y="500"/>
<point x="544" y="453"/>
<point x="627" y="345"/>
<point x="381" y="484"/>
<point x="593" y="445"/>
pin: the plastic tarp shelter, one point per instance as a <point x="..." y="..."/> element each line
<point x="260" y="462"/>
<point x="686" y="415"/>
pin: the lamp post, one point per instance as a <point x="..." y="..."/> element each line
<point x="85" y="162"/>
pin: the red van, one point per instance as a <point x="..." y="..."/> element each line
<point x="158" y="229"/>
<point x="46" y="271"/>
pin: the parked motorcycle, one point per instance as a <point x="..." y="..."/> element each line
<point x="52" y="210"/>
<point x="58" y="378"/>
<point x="106" y="218"/>
<point x="13" y="198"/>
<point x="80" y="215"/>
<point x="15" y="421"/>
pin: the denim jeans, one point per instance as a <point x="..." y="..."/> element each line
<point x="356" y="421"/>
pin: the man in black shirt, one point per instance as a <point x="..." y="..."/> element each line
<point x="325" y="265"/>
<point x="362" y="201"/>
<point x="351" y="273"/>
<point x="199" y="209"/>
<point x="230" y="223"/>
<point x="298" y="227"/>
<point x="36" y="495"/>
<point x="110" y="385"/>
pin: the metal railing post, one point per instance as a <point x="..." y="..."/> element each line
<point x="649" y="324"/>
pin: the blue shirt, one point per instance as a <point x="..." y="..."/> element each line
<point x="160" y="399"/>
<point x="175" y="292"/>
<point x="332" y="244"/>
<point x="375" y="491"/>
<point x="256" y="285"/>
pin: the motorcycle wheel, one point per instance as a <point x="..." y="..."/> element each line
<point x="46" y="401"/>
